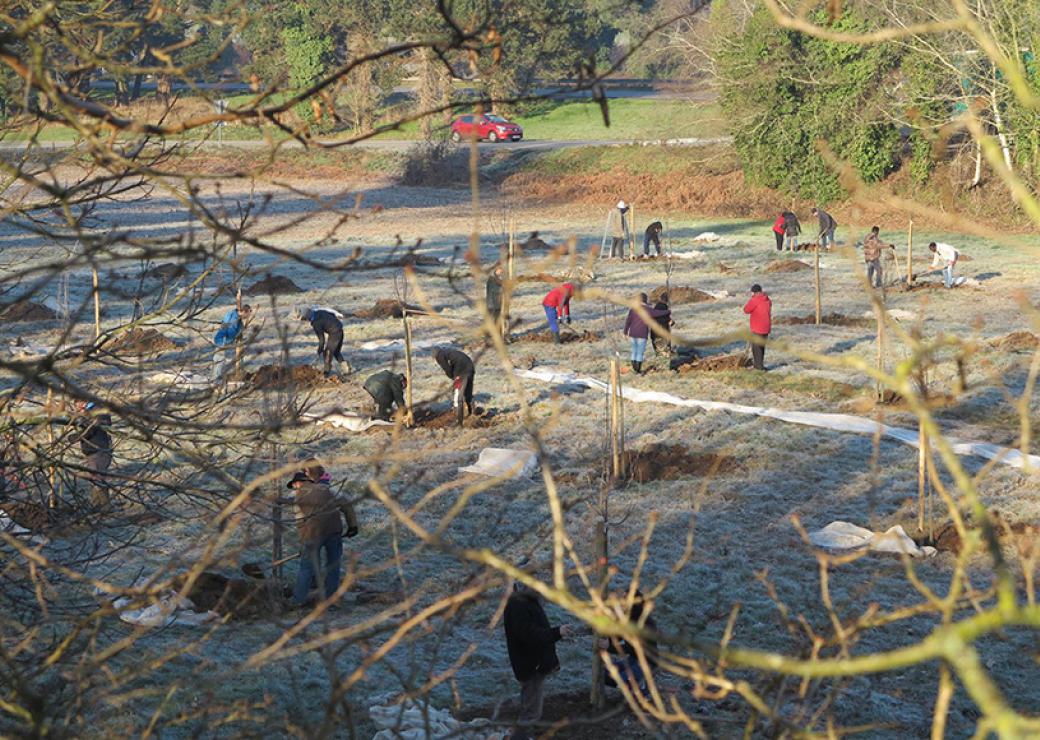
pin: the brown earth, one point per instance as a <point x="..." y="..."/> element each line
<point x="1017" y="341"/>
<point x="236" y="598"/>
<point x="34" y="517"/>
<point x="717" y="363"/>
<point x="388" y="308"/>
<point x="140" y="341"/>
<point x="833" y="319"/>
<point x="680" y="294"/>
<point x="538" y="277"/>
<point x="28" y="311"/>
<point x="1026" y="537"/>
<point x="920" y="285"/>
<point x="725" y="269"/>
<point x="671" y="462"/>
<point x="893" y="400"/>
<point x="570" y="714"/>
<point x="438" y="417"/>
<point x="787" y="266"/>
<point x="565" y="336"/>
<point x="273" y="285"/>
<point x="299" y="377"/>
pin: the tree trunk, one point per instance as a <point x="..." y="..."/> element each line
<point x="428" y="90"/>
<point x="135" y="92"/>
<point x="998" y="121"/>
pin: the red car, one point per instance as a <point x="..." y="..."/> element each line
<point x="490" y="127"/>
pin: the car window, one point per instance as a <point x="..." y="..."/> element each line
<point x="467" y="119"/>
<point x="496" y="119"/>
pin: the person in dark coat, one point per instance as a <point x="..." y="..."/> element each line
<point x="493" y="294"/>
<point x="459" y="367"/>
<point x="95" y="442"/>
<point x="662" y="344"/>
<point x="623" y="654"/>
<point x="320" y="524"/>
<point x="652" y="234"/>
<point x="791" y="230"/>
<point x="387" y="389"/>
<point x="531" y="643"/>
<point x="825" y="239"/>
<point x="638" y="331"/>
<point x="329" y="330"/>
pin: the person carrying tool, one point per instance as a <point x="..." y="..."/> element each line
<point x="825" y="239"/>
<point x="386" y="389"/>
<point x="944" y="256"/>
<point x="872" y="246"/>
<point x="320" y="525"/>
<point x="637" y="329"/>
<point x="329" y="330"/>
<point x="459" y="367"/>
<point x="227" y="335"/>
<point x="760" y="309"/>
<point x="493" y="294"/>
<point x="617" y="225"/>
<point x="557" y="305"/>
<point x="652" y="234"/>
<point x="95" y="442"/>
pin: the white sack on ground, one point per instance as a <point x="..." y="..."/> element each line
<point x="349" y="422"/>
<point x="898" y="314"/>
<point x="182" y="379"/>
<point x="707" y="236"/>
<point x="845" y="536"/>
<point x="397" y="345"/>
<point x="693" y="254"/>
<point x="498" y="462"/>
<point x="837" y="422"/>
<point x="9" y="525"/>
<point x="408" y="720"/>
<point x="169" y="609"/>
<point x="719" y="294"/>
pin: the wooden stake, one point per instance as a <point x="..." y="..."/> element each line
<point x="615" y="450"/>
<point x="409" y="417"/>
<point x="910" y="254"/>
<point x="922" y="474"/>
<point x="277" y="529"/>
<point x="238" y="342"/>
<point x="631" y="232"/>
<point x="52" y="498"/>
<point x="507" y="293"/>
<point x="880" y="354"/>
<point x="97" y="305"/>
<point x="816" y="268"/>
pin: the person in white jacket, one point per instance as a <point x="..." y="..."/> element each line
<point x="944" y="256"/>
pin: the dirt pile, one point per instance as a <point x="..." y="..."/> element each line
<point x="27" y="311"/>
<point x="299" y="377"/>
<point x="787" y="266"/>
<point x="229" y="597"/>
<point x="832" y="319"/>
<point x="388" y="308"/>
<point x="1025" y="537"/>
<point x="538" y="277"/>
<point x="273" y="285"/>
<point x="1017" y="341"/>
<point x="140" y="341"/>
<point x="671" y="462"/>
<point x="680" y="294"/>
<point x="443" y="417"/>
<point x="34" y="517"/>
<point x="566" y="337"/>
<point x="725" y="269"/>
<point x="716" y="363"/>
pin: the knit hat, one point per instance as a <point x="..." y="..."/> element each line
<point x="622" y="204"/>
<point x="298" y="477"/>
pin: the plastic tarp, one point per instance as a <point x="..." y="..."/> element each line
<point x="845" y="536"/>
<point x="836" y="422"/>
<point x="349" y="422"/>
<point x="7" y="524"/>
<point x="499" y="462"/>
<point x="707" y="236"/>
<point x="397" y="345"/>
<point x="692" y="254"/>
<point x="181" y="379"/>
<point x="168" y="609"/>
<point x="408" y="721"/>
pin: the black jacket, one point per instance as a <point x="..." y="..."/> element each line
<point x="94" y="436"/>
<point x="325" y="323"/>
<point x="386" y="387"/>
<point x="493" y="294"/>
<point x="827" y="222"/>
<point x="455" y="364"/>
<point x="530" y="640"/>
<point x="791" y="225"/>
<point x="654" y="229"/>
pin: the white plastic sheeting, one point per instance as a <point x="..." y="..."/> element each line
<point x="181" y="379"/>
<point x="7" y="524"/>
<point x="349" y="422"/>
<point x="397" y="345"/>
<point x="168" y="609"/>
<point x="845" y="536"/>
<point x="707" y="236"/>
<point x="692" y="254"/>
<point x="499" y="462"/>
<point x="409" y="722"/>
<point x="836" y="422"/>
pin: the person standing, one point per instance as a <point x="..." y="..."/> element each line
<point x="662" y="344"/>
<point x="557" y="305"/>
<point x="329" y="330"/>
<point x="872" y="246"/>
<point x="617" y="225"/>
<point x="791" y="231"/>
<point x="760" y="309"/>
<point x="95" y="442"/>
<point x="778" y="231"/>
<point x="638" y="331"/>
<point x="531" y="644"/>
<point x="320" y="526"/>
<point x="825" y="239"/>
<point x="624" y="655"/>
<point x="493" y="295"/>
<point x="386" y="389"/>
<point x="652" y="234"/>
<point x="459" y="367"/>
<point x="227" y="335"/>
<point x="944" y="256"/>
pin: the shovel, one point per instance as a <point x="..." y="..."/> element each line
<point x="256" y="570"/>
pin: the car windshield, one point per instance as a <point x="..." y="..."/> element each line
<point x="496" y="119"/>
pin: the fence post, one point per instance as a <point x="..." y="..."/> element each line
<point x="409" y="416"/>
<point x="817" y="273"/>
<point x="910" y="254"/>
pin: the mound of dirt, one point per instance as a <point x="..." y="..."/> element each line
<point x="34" y="517"/>
<point x="1017" y="341"/>
<point x="299" y="377"/>
<point x="788" y="266"/>
<point x="166" y="271"/>
<point x="443" y="417"/>
<point x="725" y="269"/>
<point x="27" y="311"/>
<point x="671" y="462"/>
<point x="946" y="538"/>
<point x="833" y="319"/>
<point x="237" y="598"/>
<point x="680" y="294"/>
<point x="565" y="336"/>
<point x="140" y="341"/>
<point x="538" y="277"/>
<point x="716" y="363"/>
<point x="273" y="285"/>
<point x="388" y="308"/>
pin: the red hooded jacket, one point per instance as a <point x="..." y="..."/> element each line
<point x="761" y="310"/>
<point x="560" y="299"/>
<point x="778" y="225"/>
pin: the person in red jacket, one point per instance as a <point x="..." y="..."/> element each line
<point x="760" y="309"/>
<point x="557" y="305"/>
<point x="778" y="231"/>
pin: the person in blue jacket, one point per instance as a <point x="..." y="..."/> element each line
<point x="230" y="331"/>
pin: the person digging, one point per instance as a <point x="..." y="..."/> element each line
<point x="320" y="515"/>
<point x="329" y="330"/>
<point x="637" y="329"/>
<point x="459" y="367"/>
<point x="652" y="235"/>
<point x="557" y="305"/>
<point x="825" y="237"/>
<point x="944" y="257"/>
<point x="229" y="333"/>
<point x="387" y="390"/>
<point x="95" y="442"/>
<point x="760" y="310"/>
<point x="872" y="248"/>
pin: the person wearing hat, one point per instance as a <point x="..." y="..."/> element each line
<point x="617" y="225"/>
<point x="760" y="309"/>
<point x="319" y="522"/>
<point x="386" y="389"/>
<point x="531" y="644"/>
<point x="329" y="330"/>
<point x="95" y="442"/>
<point x="227" y="335"/>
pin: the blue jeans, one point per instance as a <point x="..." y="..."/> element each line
<point x="550" y="315"/>
<point x="631" y="672"/>
<point x="310" y="567"/>
<point x="948" y="276"/>
<point x="792" y="242"/>
<point x="638" y="349"/>
<point x="827" y="239"/>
